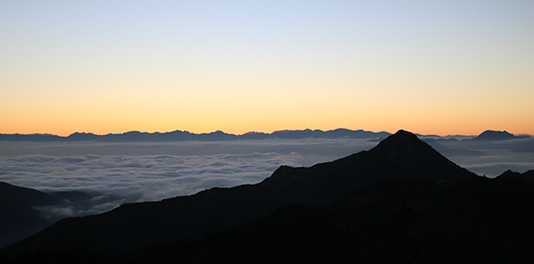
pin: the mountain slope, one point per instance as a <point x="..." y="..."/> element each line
<point x="18" y="218"/>
<point x="401" y="167"/>
<point x="25" y="211"/>
<point x="479" y="220"/>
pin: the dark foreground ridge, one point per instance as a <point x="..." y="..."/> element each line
<point x="400" y="202"/>
<point x="18" y="218"/>
<point x="19" y="214"/>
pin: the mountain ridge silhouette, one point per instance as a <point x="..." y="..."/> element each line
<point x="399" y="202"/>
<point x="393" y="160"/>
<point x="182" y="135"/>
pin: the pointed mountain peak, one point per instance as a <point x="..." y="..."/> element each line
<point x="406" y="150"/>
<point x="509" y="173"/>
<point x="402" y="141"/>
<point x="404" y="135"/>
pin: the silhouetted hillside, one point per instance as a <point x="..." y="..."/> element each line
<point x="18" y="215"/>
<point x="18" y="218"/>
<point x="479" y="220"/>
<point x="400" y="202"/>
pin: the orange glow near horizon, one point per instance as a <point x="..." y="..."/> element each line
<point x="235" y="109"/>
<point x="262" y="123"/>
<point x="203" y="68"/>
<point x="65" y="133"/>
<point x="243" y="107"/>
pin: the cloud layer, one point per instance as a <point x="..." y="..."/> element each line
<point x="491" y="158"/>
<point x="156" y="176"/>
<point x="115" y="173"/>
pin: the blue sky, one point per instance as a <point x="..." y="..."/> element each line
<point x="114" y="66"/>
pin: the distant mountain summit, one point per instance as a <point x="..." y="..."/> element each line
<point x="492" y="135"/>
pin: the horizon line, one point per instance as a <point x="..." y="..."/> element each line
<point x="246" y="133"/>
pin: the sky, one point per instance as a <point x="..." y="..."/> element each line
<point x="431" y="67"/>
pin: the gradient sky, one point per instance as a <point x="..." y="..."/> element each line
<point x="441" y="67"/>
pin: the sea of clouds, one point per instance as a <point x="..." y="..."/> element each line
<point x="115" y="173"/>
<point x="490" y="158"/>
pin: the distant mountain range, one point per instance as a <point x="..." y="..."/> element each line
<point x="178" y="135"/>
<point x="401" y="201"/>
<point x="136" y="136"/>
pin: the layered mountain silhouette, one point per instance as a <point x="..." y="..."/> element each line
<point x="19" y="216"/>
<point x="178" y="135"/>
<point x="401" y="201"/>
